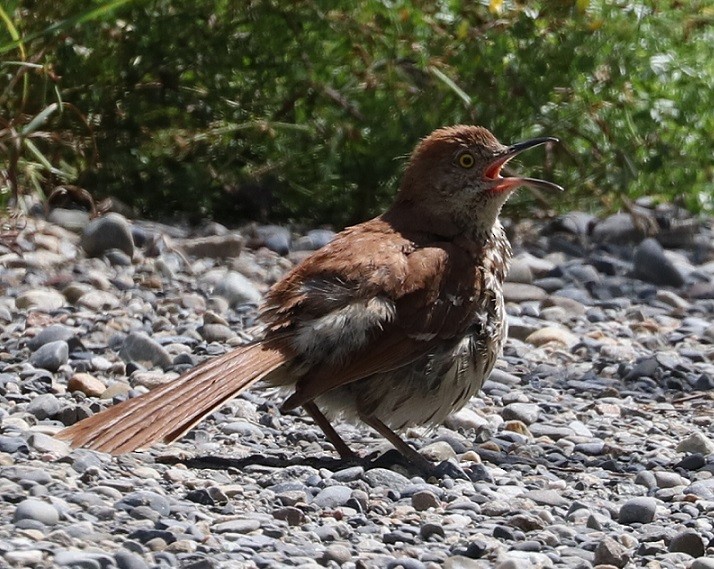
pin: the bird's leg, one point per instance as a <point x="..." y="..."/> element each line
<point x="408" y="452"/>
<point x="340" y="446"/>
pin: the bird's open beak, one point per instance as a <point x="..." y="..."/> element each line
<point x="493" y="170"/>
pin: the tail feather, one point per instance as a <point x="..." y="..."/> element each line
<point x="169" y="411"/>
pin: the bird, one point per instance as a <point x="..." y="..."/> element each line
<point x="395" y="323"/>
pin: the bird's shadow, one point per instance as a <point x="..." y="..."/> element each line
<point x="391" y="460"/>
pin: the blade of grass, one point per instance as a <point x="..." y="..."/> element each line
<point x="446" y="80"/>
<point x="39" y="120"/>
<point x="17" y="41"/>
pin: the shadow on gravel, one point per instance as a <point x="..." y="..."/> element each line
<point x="388" y="460"/>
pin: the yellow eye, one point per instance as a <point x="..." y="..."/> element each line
<point x="466" y="160"/>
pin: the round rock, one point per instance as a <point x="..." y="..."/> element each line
<point x="109" y="232"/>
<point x="139" y="348"/>
<point x="638" y="510"/>
<point x="237" y="290"/>
<point x="652" y="265"/>
<point x="689" y="542"/>
<point x="33" y="509"/>
<point x="51" y="355"/>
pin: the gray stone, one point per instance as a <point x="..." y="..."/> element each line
<point x="273" y="237"/>
<point x="381" y="477"/>
<point x="525" y="412"/>
<point x="215" y="247"/>
<point x="244" y="429"/>
<point x="97" y="300"/>
<point x="611" y="552"/>
<point x="617" y="228"/>
<point x="696" y="442"/>
<point x="520" y="272"/>
<point x="332" y="497"/>
<point x="462" y="562"/>
<point x="33" y="509"/>
<point x="669" y="479"/>
<point x="237" y="290"/>
<point x="314" y="240"/>
<point x="46" y="444"/>
<point x="139" y="348"/>
<point x="546" y="497"/>
<point x="83" y="559"/>
<point x="111" y="231"/>
<point x="125" y="559"/>
<point x="51" y="356"/>
<point x="41" y="300"/>
<point x="348" y="474"/>
<point x="44" y="406"/>
<point x="74" y="220"/>
<point x="336" y="553"/>
<point x="13" y="444"/>
<point x="520" y="292"/>
<point x="689" y="542"/>
<point x="638" y="510"/>
<point x="702" y="488"/>
<point x="216" y="333"/>
<point x="24" y="558"/>
<point x="236" y="526"/>
<point x="52" y="333"/>
<point x="652" y="265"/>
<point x="156" y="502"/>
<point x="646" y="478"/>
<point x="703" y="563"/>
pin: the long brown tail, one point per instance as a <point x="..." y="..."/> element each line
<point x="169" y="411"/>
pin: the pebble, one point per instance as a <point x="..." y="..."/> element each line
<point x="610" y="552"/>
<point x="139" y="348"/>
<point x="223" y="246"/>
<point x="520" y="292"/>
<point x="111" y="231"/>
<point x="237" y="290"/>
<point x="337" y="553"/>
<point x="638" y="510"/>
<point x="652" y="265"/>
<point x="53" y="333"/>
<point x="332" y="497"/>
<point x="37" y="510"/>
<point x="44" y="406"/>
<point x="696" y="443"/>
<point x="689" y="542"/>
<point x="51" y="356"/>
<point x="524" y="412"/>
<point x="40" y="300"/>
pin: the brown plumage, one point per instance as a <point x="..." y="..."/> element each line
<point x="396" y="322"/>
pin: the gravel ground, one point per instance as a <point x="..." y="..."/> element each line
<point x="592" y="444"/>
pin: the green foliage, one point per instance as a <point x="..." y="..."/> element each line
<point x="299" y="109"/>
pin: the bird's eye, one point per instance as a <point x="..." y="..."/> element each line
<point x="466" y="160"/>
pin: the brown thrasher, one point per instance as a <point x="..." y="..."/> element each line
<point x="397" y="322"/>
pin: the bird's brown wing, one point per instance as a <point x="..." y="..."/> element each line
<point x="433" y="287"/>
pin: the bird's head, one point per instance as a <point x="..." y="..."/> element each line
<point x="455" y="172"/>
